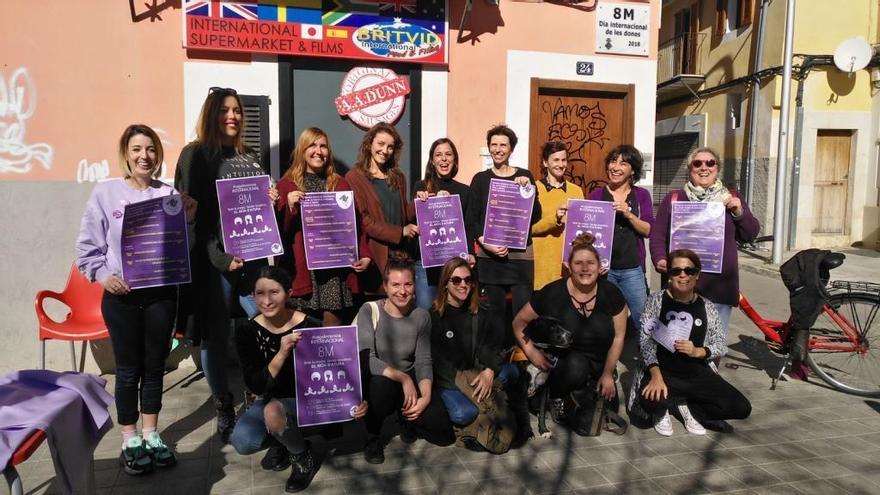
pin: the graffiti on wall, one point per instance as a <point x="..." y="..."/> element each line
<point x="578" y="125"/>
<point x="18" y="101"/>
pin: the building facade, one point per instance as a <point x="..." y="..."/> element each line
<point x="74" y="74"/>
<point x="719" y="85"/>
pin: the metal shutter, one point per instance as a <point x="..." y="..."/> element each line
<point x="256" y="126"/>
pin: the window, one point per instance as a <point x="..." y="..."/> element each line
<point x="732" y="15"/>
<point x="256" y="126"/>
<point x="734" y="110"/>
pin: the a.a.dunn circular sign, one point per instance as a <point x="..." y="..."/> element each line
<point x="370" y="95"/>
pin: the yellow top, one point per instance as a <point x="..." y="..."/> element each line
<point x="547" y="234"/>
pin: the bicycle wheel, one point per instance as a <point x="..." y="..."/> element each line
<point x="845" y="344"/>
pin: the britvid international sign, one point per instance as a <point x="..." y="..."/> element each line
<point x="397" y="30"/>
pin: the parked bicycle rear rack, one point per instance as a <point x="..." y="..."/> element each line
<point x="845" y="286"/>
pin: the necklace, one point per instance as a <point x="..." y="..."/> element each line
<point x="691" y="300"/>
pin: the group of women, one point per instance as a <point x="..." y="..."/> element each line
<point x="418" y="327"/>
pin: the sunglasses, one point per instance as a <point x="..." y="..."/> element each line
<point x="458" y="280"/>
<point x="690" y="271"/>
<point x="229" y="91"/>
<point x="699" y="163"/>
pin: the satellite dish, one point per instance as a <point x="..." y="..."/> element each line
<point x="853" y="54"/>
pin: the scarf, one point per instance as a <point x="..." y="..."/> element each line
<point x="716" y="192"/>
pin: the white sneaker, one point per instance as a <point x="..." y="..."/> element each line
<point x="663" y="425"/>
<point x="690" y="423"/>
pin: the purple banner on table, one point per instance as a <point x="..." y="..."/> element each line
<point x="330" y="233"/>
<point x="596" y="217"/>
<point x="328" y="375"/>
<point x="247" y="218"/>
<point x="508" y="214"/>
<point x="154" y="244"/>
<point x="700" y="228"/>
<point x="442" y="233"/>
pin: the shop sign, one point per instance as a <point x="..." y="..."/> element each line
<point x="397" y="30"/>
<point x="623" y="28"/>
<point x="370" y="95"/>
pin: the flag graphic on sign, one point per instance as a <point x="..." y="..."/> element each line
<point x="312" y="31"/>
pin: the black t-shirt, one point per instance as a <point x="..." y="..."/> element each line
<point x="624" y="249"/>
<point x="592" y="335"/>
<point x="690" y="315"/>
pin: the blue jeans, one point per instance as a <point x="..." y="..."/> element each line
<point x="460" y="408"/>
<point x="631" y="282"/>
<point x="250" y="433"/>
<point x="425" y="293"/>
<point x="214" y="347"/>
<point x="724" y="317"/>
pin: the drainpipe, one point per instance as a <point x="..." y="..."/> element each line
<point x="782" y="152"/>
<point x="796" y="158"/>
<point x="748" y="173"/>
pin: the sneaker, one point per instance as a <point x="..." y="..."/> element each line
<point x="225" y="416"/>
<point x="690" y="423"/>
<point x="663" y="425"/>
<point x="303" y="469"/>
<point x="276" y="459"/>
<point x="160" y="453"/>
<point x="134" y="458"/>
<point x="408" y="433"/>
<point x="374" y="451"/>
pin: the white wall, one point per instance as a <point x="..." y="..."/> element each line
<point x="522" y="66"/>
<point x="435" y="106"/>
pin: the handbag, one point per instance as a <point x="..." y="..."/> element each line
<point x="587" y="413"/>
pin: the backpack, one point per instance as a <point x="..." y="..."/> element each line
<point x="587" y="413"/>
<point x="495" y="425"/>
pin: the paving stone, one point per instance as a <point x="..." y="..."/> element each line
<point x="818" y="487"/>
<point x="753" y="476"/>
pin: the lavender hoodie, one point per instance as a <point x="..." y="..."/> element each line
<point x="100" y="234"/>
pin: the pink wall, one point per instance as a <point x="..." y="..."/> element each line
<point x="87" y="70"/>
<point x="478" y="66"/>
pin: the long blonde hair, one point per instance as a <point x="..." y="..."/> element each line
<point x="297" y="170"/>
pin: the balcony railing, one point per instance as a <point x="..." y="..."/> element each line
<point x="678" y="56"/>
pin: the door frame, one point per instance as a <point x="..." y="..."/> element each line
<point x="627" y="91"/>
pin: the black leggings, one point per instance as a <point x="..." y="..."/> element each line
<point x="573" y="372"/>
<point x="386" y="398"/>
<point x="496" y="296"/>
<point x="707" y="395"/>
<point x="140" y="325"/>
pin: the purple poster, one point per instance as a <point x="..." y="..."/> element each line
<point x="328" y="375"/>
<point x="247" y="218"/>
<point x="154" y="245"/>
<point x="700" y="228"/>
<point x="508" y="214"/>
<point x="441" y="230"/>
<point x="330" y="233"/>
<point x="596" y="217"/>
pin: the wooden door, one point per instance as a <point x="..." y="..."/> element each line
<point x="831" y="183"/>
<point x="590" y="119"/>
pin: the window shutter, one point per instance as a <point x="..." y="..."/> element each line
<point x="720" y="17"/>
<point x="746" y="7"/>
<point x="256" y="126"/>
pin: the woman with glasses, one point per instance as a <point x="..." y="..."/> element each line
<point x="594" y="310"/>
<point x="553" y="195"/>
<point x="459" y="343"/>
<point x="632" y="225"/>
<point x="222" y="282"/>
<point x="703" y="185"/>
<point x="679" y="374"/>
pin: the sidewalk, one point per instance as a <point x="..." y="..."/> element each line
<point x="860" y="264"/>
<point x="801" y="438"/>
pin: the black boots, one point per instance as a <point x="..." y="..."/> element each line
<point x="517" y="394"/>
<point x="303" y="469"/>
<point x="225" y="415"/>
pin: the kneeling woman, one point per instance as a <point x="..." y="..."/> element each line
<point x="594" y="310"/>
<point x="265" y="345"/>
<point x="683" y="378"/>
<point x="396" y="337"/>
<point x="459" y="343"/>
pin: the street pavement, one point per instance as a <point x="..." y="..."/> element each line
<point x="802" y="438"/>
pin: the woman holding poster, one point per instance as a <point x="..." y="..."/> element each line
<point x="553" y="195"/>
<point x="265" y="345"/>
<point x="380" y="197"/>
<point x="140" y="321"/>
<point x="703" y="186"/>
<point x="221" y="281"/>
<point x="679" y="375"/>
<point x="632" y="225"/>
<point x="325" y="293"/>
<point x="440" y="172"/>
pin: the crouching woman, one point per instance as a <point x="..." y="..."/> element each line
<point x="265" y="344"/>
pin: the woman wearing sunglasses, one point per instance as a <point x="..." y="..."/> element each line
<point x="679" y="374"/>
<point x="459" y="343"/>
<point x="704" y="186"/>
<point x="222" y="282"/>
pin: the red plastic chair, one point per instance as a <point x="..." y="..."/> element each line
<point x="84" y="321"/>
<point x="21" y="454"/>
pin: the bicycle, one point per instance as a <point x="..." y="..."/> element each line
<point x="844" y="341"/>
